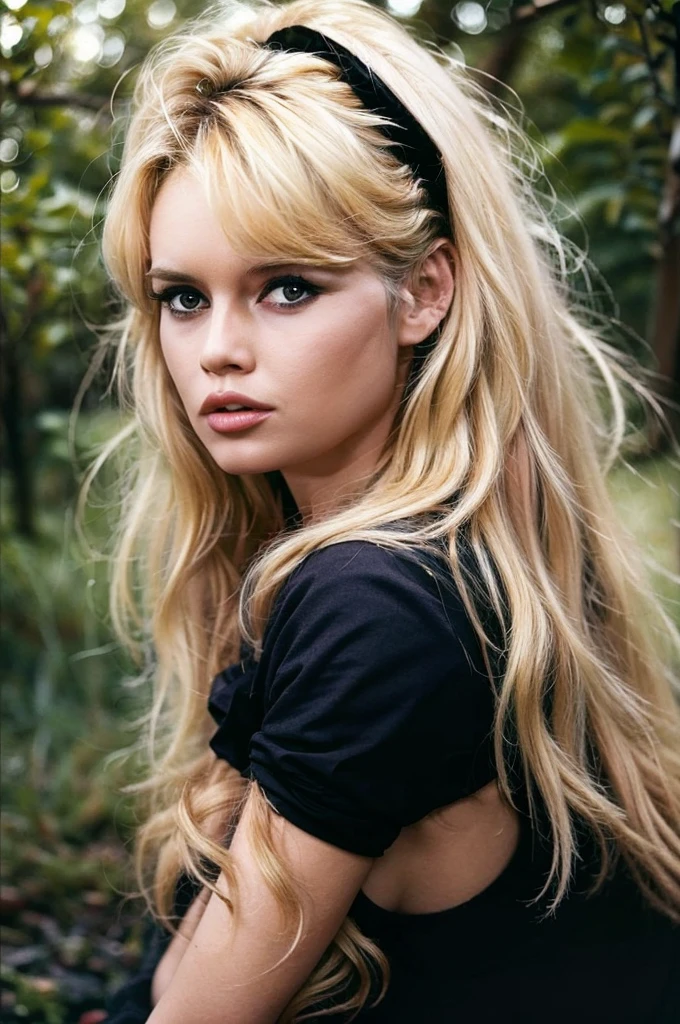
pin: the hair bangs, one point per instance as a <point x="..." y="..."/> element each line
<point x="286" y="187"/>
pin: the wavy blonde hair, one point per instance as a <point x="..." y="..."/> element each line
<point x="518" y="410"/>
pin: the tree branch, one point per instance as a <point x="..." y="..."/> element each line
<point x="649" y="58"/>
<point x="30" y="97"/>
<point x="501" y="62"/>
<point x="531" y="11"/>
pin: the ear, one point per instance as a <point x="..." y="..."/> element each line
<point x="426" y="297"/>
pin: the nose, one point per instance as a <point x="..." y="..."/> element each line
<point x="227" y="344"/>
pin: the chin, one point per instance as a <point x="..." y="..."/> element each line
<point x="243" y="463"/>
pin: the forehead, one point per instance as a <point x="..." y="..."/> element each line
<point x="189" y="242"/>
<point x="184" y="227"/>
<point x="187" y="236"/>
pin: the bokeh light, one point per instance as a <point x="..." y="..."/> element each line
<point x="552" y="39"/>
<point x="110" y="9"/>
<point x="10" y="33"/>
<point x="9" y="180"/>
<point x="9" y="150"/>
<point x="85" y="43"/>
<point x="615" y="14"/>
<point x="86" y="12"/>
<point x="471" y="17"/>
<point x="404" y="8"/>
<point x="112" y="49"/>
<point x="57" y="25"/>
<point x="43" y="55"/>
<point x="161" y="13"/>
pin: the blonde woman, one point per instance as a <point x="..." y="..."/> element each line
<point x="414" y="746"/>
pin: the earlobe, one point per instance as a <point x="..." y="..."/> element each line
<point x="427" y="298"/>
<point x="416" y="327"/>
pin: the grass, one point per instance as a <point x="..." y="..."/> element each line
<point x="647" y="494"/>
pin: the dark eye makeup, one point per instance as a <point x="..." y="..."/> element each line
<point x="190" y="298"/>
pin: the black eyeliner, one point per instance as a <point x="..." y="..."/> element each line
<point x="169" y="293"/>
<point x="166" y="295"/>
<point x="292" y="279"/>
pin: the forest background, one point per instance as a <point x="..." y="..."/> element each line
<point x="599" y="86"/>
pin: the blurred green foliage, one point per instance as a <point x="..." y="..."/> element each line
<point x="607" y="108"/>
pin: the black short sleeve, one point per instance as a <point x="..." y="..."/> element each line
<point x="378" y="708"/>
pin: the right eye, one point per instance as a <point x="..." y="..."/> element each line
<point x="181" y="302"/>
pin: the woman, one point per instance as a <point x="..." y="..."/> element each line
<point x="440" y="774"/>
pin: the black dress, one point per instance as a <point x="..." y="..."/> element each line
<point x="369" y="708"/>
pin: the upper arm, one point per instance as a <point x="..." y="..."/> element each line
<point x="170" y="961"/>
<point x="230" y="972"/>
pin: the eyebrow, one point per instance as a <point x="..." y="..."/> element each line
<point x="166" y="274"/>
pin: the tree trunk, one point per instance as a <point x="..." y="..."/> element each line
<point x="12" y="418"/>
<point x="664" y="329"/>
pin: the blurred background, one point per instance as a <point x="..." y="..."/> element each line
<point x="597" y="84"/>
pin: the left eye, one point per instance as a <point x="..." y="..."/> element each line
<point x="179" y="301"/>
<point x="295" y="291"/>
<point x="184" y="302"/>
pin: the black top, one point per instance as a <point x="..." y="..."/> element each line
<point x="370" y="705"/>
<point x="369" y="708"/>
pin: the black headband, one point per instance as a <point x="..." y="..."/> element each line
<point x="412" y="143"/>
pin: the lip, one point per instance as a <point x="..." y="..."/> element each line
<point x="229" y="422"/>
<point x="217" y="400"/>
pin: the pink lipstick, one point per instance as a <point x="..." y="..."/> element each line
<point x="228" y="411"/>
<point x="227" y="422"/>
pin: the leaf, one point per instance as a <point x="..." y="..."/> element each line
<point x="25" y="262"/>
<point x="613" y="208"/>
<point x="582" y="130"/>
<point x="634" y="73"/>
<point x="644" y="116"/>
<point x="613" y="111"/>
<point x="598" y="195"/>
<point x="37" y="138"/>
<point x="637" y="222"/>
<point x="620" y="45"/>
<point x="38" y="181"/>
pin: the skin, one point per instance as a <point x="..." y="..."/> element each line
<point x="440" y="862"/>
<point x="330" y="363"/>
<point x="333" y="367"/>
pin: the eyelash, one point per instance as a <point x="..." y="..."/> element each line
<point x="168" y="294"/>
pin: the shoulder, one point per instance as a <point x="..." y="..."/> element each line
<point x="376" y="605"/>
<point x="350" y="560"/>
<point x="350" y="575"/>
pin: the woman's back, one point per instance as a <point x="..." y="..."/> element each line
<point x="608" y="957"/>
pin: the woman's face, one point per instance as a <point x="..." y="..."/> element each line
<point x="314" y="345"/>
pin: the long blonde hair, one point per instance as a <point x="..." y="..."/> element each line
<point x="518" y="410"/>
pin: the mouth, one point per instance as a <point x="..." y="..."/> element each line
<point x="229" y="402"/>
<point x="227" y="419"/>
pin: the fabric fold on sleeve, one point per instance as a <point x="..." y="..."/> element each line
<point x="378" y="708"/>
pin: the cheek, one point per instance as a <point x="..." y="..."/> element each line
<point x="349" y="360"/>
<point x="176" y="364"/>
